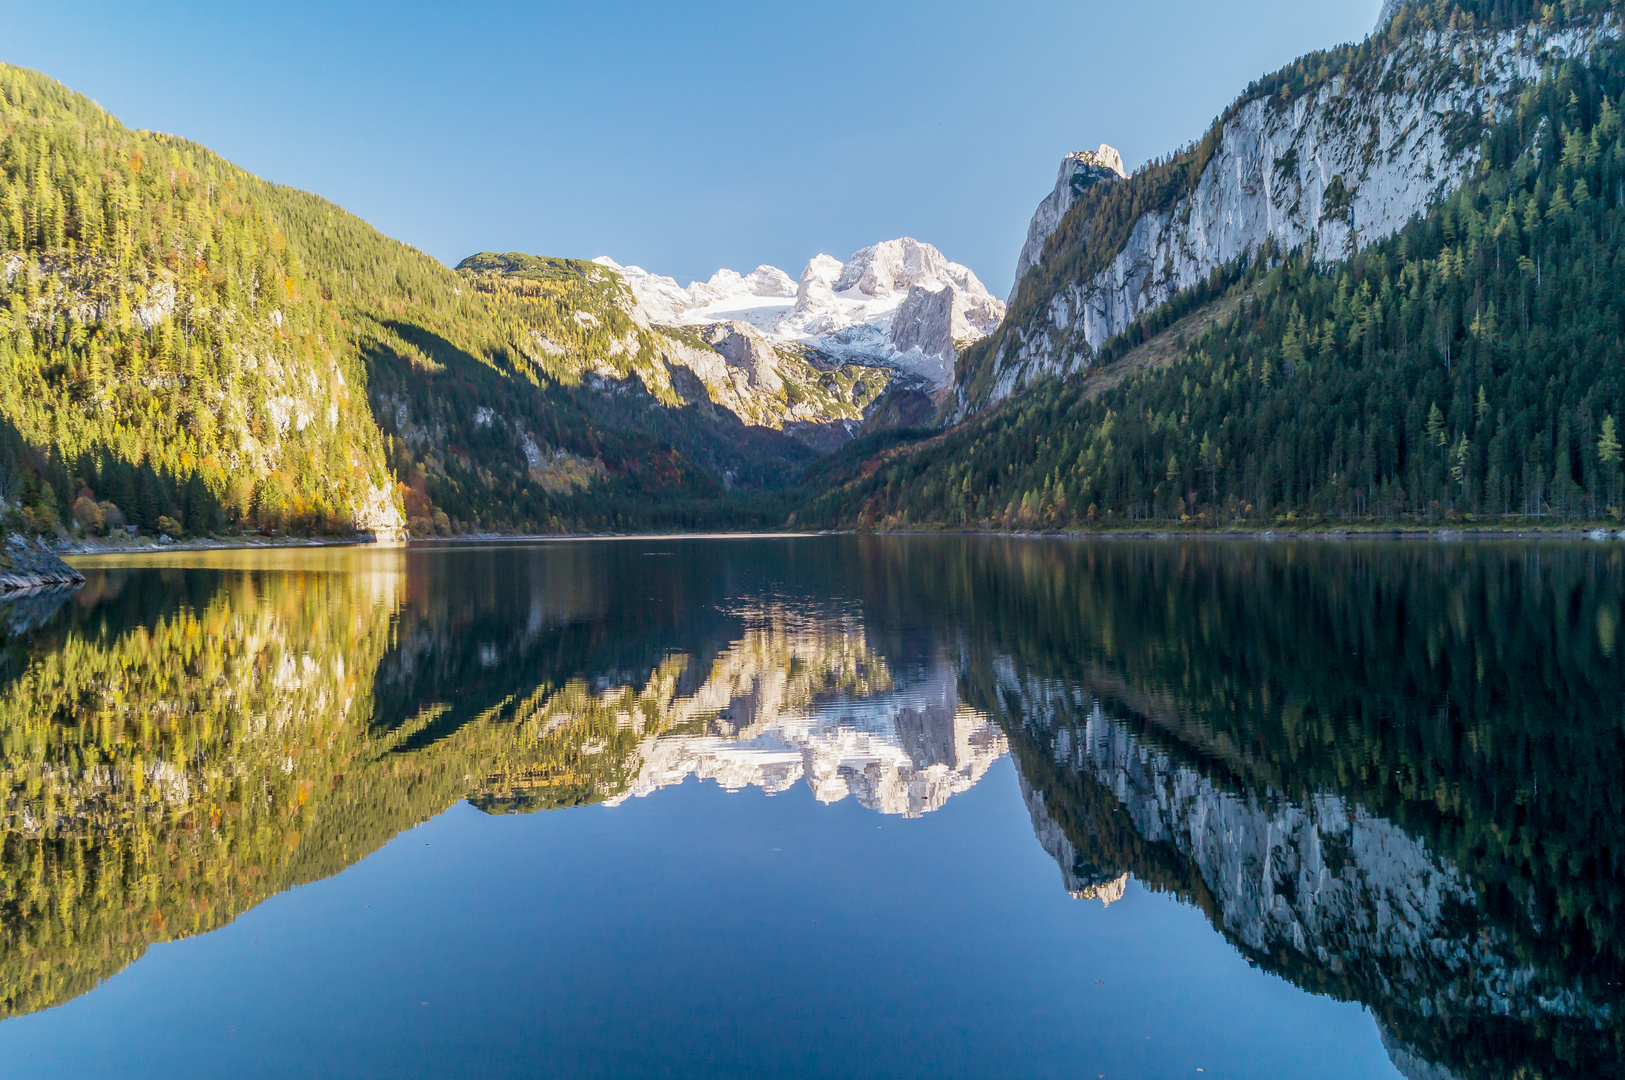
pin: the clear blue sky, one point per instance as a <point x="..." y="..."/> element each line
<point x="678" y="136"/>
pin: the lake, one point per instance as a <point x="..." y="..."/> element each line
<point x="819" y="807"/>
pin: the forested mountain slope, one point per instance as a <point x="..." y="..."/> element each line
<point x="161" y="340"/>
<point x="1468" y="365"/>
<point x="185" y="347"/>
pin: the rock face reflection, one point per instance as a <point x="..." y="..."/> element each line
<point x="1323" y="892"/>
<point x="1391" y="775"/>
<point x="1387" y="776"/>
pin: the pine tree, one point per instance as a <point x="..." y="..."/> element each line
<point x="1608" y="454"/>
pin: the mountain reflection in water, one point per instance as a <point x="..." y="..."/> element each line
<point x="1392" y="774"/>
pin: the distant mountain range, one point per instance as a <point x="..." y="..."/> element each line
<point x="899" y="305"/>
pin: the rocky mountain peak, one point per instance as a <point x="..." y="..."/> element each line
<point x="898" y="266"/>
<point x="764" y="281"/>
<point x="1390" y="8"/>
<point x="1106" y="158"/>
<point x="899" y="304"/>
<point x="745" y="347"/>
<point x="1080" y="171"/>
<point x="818" y="280"/>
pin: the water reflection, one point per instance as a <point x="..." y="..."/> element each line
<point x="799" y="698"/>
<point x="167" y="740"/>
<point x="1391" y="774"/>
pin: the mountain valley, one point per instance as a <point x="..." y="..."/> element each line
<point x="1383" y="287"/>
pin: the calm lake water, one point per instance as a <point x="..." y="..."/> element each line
<point x="822" y="807"/>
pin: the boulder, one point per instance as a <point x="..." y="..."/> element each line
<point x="29" y="563"/>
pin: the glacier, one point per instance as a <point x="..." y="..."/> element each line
<point x="900" y="304"/>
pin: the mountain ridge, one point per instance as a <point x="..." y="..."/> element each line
<point x="195" y="350"/>
<point x="1459" y="369"/>
<point x="900" y="305"/>
<point x="1336" y="161"/>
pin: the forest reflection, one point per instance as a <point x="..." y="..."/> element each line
<point x="181" y="742"/>
<point x="1394" y="774"/>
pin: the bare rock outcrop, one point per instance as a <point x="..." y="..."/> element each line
<point x="745" y="347"/>
<point x="27" y="563"/>
<point x="1079" y="172"/>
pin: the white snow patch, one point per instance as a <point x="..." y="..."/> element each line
<point x="899" y="304"/>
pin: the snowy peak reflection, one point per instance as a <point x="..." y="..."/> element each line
<point x="798" y="697"/>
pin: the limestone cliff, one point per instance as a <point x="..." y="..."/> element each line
<point x="1330" y="161"/>
<point x="1079" y="172"/>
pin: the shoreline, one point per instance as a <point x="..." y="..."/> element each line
<point x="81" y="548"/>
<point x="1442" y="535"/>
<point x="1392" y="534"/>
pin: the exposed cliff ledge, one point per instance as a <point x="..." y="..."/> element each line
<point x="1339" y="167"/>
<point x="31" y="564"/>
<point x="1079" y="172"/>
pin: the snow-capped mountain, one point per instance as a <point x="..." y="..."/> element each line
<point x="899" y="304"/>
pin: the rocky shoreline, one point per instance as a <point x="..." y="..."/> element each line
<point x="32" y="564"/>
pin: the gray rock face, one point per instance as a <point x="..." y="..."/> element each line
<point x="31" y="564"/>
<point x="1080" y="171"/>
<point x="925" y="321"/>
<point x="937" y="321"/>
<point x="1339" y="168"/>
<point x="744" y="346"/>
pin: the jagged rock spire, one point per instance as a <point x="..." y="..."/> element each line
<point x="1079" y="170"/>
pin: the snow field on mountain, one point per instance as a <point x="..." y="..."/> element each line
<point x="899" y="304"/>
